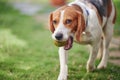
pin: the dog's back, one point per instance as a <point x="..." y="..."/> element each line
<point x="103" y="6"/>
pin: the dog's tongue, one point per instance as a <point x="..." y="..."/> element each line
<point x="69" y="43"/>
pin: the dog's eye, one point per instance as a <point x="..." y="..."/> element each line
<point x="54" y="22"/>
<point x="68" y="21"/>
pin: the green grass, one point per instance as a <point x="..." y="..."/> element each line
<point x="117" y="25"/>
<point x="27" y="52"/>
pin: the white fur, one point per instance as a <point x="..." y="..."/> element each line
<point x="63" y="64"/>
<point x="92" y="34"/>
<point x="106" y="39"/>
<point x="62" y="53"/>
<point x="61" y="29"/>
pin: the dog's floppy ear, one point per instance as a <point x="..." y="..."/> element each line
<point x="80" y="26"/>
<point x="51" y="27"/>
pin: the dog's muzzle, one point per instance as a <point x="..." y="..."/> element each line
<point x="59" y="41"/>
<point x="59" y="36"/>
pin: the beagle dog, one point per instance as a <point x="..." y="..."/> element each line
<point x="87" y="22"/>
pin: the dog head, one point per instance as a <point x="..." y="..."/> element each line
<point x="67" y="23"/>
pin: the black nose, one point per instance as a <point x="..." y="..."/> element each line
<point x="59" y="36"/>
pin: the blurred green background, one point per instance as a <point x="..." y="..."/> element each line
<point x="27" y="51"/>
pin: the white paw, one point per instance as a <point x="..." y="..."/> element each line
<point x="101" y="66"/>
<point x="90" y="68"/>
<point x="63" y="73"/>
<point x="62" y="77"/>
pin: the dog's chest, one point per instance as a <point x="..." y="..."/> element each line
<point x="85" y="38"/>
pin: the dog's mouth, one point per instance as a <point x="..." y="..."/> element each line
<point x="69" y="43"/>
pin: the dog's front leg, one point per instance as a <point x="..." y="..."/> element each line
<point x="93" y="54"/>
<point x="63" y="64"/>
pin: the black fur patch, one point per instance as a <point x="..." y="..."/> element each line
<point x="102" y="8"/>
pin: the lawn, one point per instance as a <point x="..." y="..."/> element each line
<point x="27" y="51"/>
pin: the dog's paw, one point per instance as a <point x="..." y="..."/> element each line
<point x="101" y="66"/>
<point x="63" y="73"/>
<point x="90" y="68"/>
<point x="62" y="77"/>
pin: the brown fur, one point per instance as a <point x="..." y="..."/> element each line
<point x="73" y="13"/>
<point x="72" y="16"/>
<point x="109" y="8"/>
<point x="56" y="17"/>
<point x="114" y="19"/>
<point x="80" y="27"/>
<point x="52" y="29"/>
<point x="99" y="17"/>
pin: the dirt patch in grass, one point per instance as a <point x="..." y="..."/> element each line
<point x="115" y="51"/>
